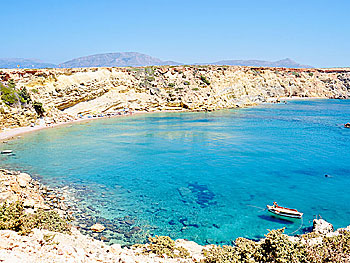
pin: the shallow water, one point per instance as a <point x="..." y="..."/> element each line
<point x="206" y="177"/>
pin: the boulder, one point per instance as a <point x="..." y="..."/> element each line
<point x="29" y="203"/>
<point x="23" y="179"/>
<point x="97" y="228"/>
<point x="321" y="226"/>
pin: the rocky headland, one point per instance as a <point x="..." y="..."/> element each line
<point x="61" y="95"/>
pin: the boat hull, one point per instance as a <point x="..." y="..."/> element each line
<point x="289" y="214"/>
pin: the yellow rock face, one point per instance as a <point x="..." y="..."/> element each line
<point x="65" y="93"/>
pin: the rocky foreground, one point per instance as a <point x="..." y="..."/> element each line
<point x="34" y="228"/>
<point x="64" y="94"/>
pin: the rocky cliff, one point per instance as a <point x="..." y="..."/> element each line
<point x="65" y="93"/>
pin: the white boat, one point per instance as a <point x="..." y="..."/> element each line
<point x="283" y="211"/>
<point x="6" y="152"/>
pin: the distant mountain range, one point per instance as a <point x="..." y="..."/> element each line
<point x="122" y="59"/>
<point x="284" y="63"/>
<point x="24" y="63"/>
<point x="134" y="59"/>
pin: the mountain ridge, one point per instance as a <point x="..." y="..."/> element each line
<point x="118" y="59"/>
<point x="24" y="63"/>
<point x="136" y="59"/>
<point x="283" y="63"/>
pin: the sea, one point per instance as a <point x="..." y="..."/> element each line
<point x="202" y="176"/>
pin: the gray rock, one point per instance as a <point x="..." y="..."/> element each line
<point x="23" y="179"/>
<point x="321" y="226"/>
<point x="97" y="228"/>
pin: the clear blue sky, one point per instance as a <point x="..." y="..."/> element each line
<point x="314" y="32"/>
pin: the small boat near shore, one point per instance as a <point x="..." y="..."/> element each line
<point x="283" y="211"/>
<point x="6" y="152"/>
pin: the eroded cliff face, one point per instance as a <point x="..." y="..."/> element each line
<point x="65" y="93"/>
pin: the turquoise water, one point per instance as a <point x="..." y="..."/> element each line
<point x="206" y="177"/>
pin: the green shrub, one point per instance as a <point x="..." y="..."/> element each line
<point x="164" y="245"/>
<point x="311" y="74"/>
<point x="186" y="83"/>
<point x="332" y="249"/>
<point x="171" y="85"/>
<point x="296" y="74"/>
<point x="195" y="89"/>
<point x="8" y="94"/>
<point x="41" y="219"/>
<point x="38" y="107"/>
<point x="218" y="254"/>
<point x="11" y="84"/>
<point x="24" y="95"/>
<point x="204" y="79"/>
<point x="276" y="247"/>
<point x="12" y="217"/>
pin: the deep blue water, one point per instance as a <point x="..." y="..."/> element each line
<point x="202" y="176"/>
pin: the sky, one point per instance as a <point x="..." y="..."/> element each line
<point x="313" y="32"/>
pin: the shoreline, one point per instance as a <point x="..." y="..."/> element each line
<point x="12" y="133"/>
<point x="15" y="132"/>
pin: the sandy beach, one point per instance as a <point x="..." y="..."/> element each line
<point x="12" y="133"/>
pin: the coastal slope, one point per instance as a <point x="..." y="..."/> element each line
<point x="66" y="93"/>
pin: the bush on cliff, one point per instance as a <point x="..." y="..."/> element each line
<point x="164" y="246"/>
<point x="24" y="95"/>
<point x="10" y="96"/>
<point x="41" y="219"/>
<point x="39" y="109"/>
<point x="277" y="248"/>
<point x="205" y="80"/>
<point x="13" y="217"/>
<point x="332" y="249"/>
